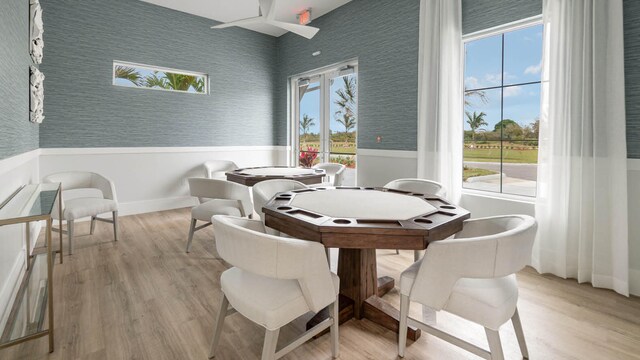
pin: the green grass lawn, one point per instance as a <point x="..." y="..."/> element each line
<point x="471" y="172"/>
<point x="336" y="147"/>
<point x="509" y="156"/>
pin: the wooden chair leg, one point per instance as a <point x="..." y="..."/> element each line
<point x="270" y="344"/>
<point x="222" y="314"/>
<point x="495" y="346"/>
<point x="402" y="333"/>
<point x="70" y="233"/>
<point x="397" y="252"/>
<point x="115" y="225"/>
<point x="192" y="229"/>
<point x="334" y="309"/>
<point x="517" y="326"/>
<point x="93" y="225"/>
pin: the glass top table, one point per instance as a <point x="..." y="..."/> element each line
<point x="30" y="203"/>
<point x="34" y="298"/>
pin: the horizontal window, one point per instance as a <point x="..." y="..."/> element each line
<point x="157" y="78"/>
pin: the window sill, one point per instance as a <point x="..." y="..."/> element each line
<point x="499" y="196"/>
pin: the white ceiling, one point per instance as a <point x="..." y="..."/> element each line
<point x="230" y="10"/>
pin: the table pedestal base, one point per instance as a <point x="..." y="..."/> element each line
<point x="361" y="293"/>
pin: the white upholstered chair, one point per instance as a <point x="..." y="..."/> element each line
<point x="335" y="173"/>
<point x="472" y="276"/>
<point x="217" y="197"/>
<point x="265" y="190"/>
<point x="85" y="194"/>
<point x="273" y="281"/>
<point x="421" y="186"/>
<point x="216" y="169"/>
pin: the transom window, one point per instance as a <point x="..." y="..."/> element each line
<point x="157" y="78"/>
<point x="502" y="73"/>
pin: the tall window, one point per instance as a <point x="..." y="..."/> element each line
<point x="502" y="73"/>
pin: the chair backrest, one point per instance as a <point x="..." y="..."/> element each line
<point x="216" y="169"/>
<point x="421" y="186"/>
<point x="335" y="172"/>
<point x="72" y="180"/>
<point x="243" y="244"/>
<point x="265" y="190"/>
<point x="486" y="248"/>
<point x="221" y="189"/>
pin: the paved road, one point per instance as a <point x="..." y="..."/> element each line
<point x="518" y="171"/>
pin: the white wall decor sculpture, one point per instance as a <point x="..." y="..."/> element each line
<point x="36" y="28"/>
<point x="36" y="95"/>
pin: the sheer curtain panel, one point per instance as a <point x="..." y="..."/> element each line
<point x="440" y="94"/>
<point x="582" y="178"/>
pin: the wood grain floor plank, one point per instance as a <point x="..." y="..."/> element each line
<point x="144" y="298"/>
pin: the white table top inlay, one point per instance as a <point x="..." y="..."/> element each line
<point x="362" y="204"/>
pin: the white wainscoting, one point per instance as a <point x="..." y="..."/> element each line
<point x="634" y="225"/>
<point x="377" y="167"/>
<point x="14" y="172"/>
<point x="154" y="179"/>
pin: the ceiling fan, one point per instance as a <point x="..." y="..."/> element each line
<point x="267" y="16"/>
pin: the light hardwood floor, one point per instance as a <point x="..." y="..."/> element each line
<point x="145" y="298"/>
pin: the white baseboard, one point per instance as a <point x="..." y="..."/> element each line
<point x="147" y="206"/>
<point x="634" y="282"/>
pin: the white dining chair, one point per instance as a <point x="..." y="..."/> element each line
<point x="216" y="197"/>
<point x="216" y="169"/>
<point x="265" y="190"/>
<point x="420" y="186"/>
<point x="335" y="174"/>
<point x="273" y="281"/>
<point x="85" y="194"/>
<point x="472" y="276"/>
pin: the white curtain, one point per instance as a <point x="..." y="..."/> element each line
<point x="440" y="94"/>
<point x="582" y="175"/>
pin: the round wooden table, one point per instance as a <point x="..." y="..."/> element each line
<point x="358" y="221"/>
<point x="253" y="175"/>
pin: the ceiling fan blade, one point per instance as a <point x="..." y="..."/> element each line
<point x="302" y="30"/>
<point x="251" y="20"/>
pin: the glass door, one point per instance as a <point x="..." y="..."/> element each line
<point x="310" y="149"/>
<point x="325" y="114"/>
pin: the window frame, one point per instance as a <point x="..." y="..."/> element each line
<point x="481" y="34"/>
<point x="161" y="69"/>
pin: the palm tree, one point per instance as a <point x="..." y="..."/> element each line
<point x="179" y="81"/>
<point x="128" y="73"/>
<point x="173" y="81"/>
<point x="480" y="94"/>
<point x="346" y="113"/>
<point x="475" y="122"/>
<point x="154" y="81"/>
<point x="306" y="123"/>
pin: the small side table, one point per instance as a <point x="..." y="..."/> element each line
<point x="34" y="298"/>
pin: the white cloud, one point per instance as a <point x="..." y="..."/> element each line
<point x="493" y="79"/>
<point x="534" y="69"/>
<point x="512" y="91"/>
<point x="471" y="82"/>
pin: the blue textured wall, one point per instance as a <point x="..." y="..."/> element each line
<point x="383" y="35"/>
<point x="17" y="134"/>
<point x="632" y="75"/>
<point x="84" y="109"/>
<point x="483" y="14"/>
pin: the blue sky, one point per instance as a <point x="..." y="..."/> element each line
<point x="522" y="64"/>
<point x="310" y="105"/>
